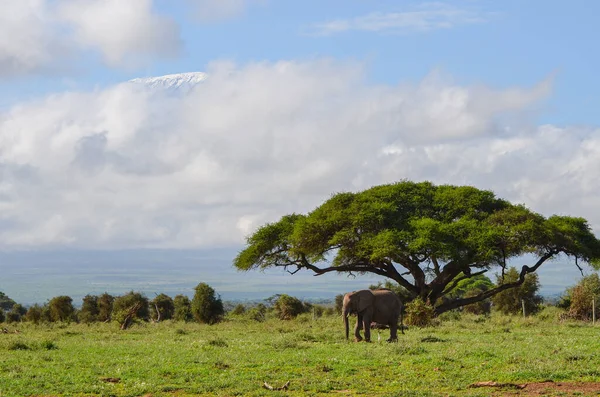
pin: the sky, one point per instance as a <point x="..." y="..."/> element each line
<point x="303" y="99"/>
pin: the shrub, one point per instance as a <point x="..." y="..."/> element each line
<point x="122" y="305"/>
<point x="288" y="307"/>
<point x="419" y="313"/>
<point x="481" y="307"/>
<point x="206" y="307"/>
<point x="15" y="314"/>
<point x="61" y="308"/>
<point x="162" y="307"/>
<point x="2" y="316"/>
<point x="510" y="300"/>
<point x="183" y="308"/>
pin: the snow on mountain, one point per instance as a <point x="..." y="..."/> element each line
<point x="172" y="82"/>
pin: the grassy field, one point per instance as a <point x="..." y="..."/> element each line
<point x="237" y="356"/>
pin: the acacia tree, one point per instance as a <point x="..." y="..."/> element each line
<point x="425" y="237"/>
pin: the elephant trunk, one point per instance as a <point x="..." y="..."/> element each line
<point x="346" y="313"/>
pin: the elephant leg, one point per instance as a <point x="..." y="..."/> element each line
<point x="358" y="327"/>
<point x="393" y="332"/>
<point x="367" y="327"/>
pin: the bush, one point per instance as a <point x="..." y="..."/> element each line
<point x="2" y="316"/>
<point x="162" y="307"/>
<point x="122" y="305"/>
<point x="288" y="307"/>
<point x="419" y="313"/>
<point x="6" y="304"/>
<point x="61" y="309"/>
<point x="16" y="314"/>
<point x="481" y="307"/>
<point x="581" y="295"/>
<point x="183" y="308"/>
<point x="206" y="307"/>
<point x="510" y="300"/>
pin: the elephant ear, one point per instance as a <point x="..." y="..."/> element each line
<point x="364" y="301"/>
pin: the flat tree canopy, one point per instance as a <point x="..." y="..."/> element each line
<point x="425" y="237"/>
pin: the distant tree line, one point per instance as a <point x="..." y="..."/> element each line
<point x="206" y="306"/>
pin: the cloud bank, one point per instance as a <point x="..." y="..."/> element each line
<point x="128" y="167"/>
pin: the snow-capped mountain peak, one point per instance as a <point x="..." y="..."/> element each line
<point x="171" y="81"/>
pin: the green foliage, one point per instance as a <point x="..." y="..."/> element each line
<point x="165" y="306"/>
<point x="474" y="286"/>
<point x="288" y="307"/>
<point x="105" y="307"/>
<point x="16" y="313"/>
<point x="61" y="309"/>
<point x="433" y="233"/>
<point x="123" y="304"/>
<point x="207" y="308"/>
<point x="580" y="297"/>
<point x="510" y="300"/>
<point x="2" y="316"/>
<point x="419" y="313"/>
<point x="89" y="309"/>
<point x="6" y="303"/>
<point x="183" y="308"/>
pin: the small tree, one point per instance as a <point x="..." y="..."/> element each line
<point x="162" y="308"/>
<point x="288" y="307"/>
<point x="105" y="307"/>
<point x="207" y="308"/>
<point x="89" y="309"/>
<point x="61" y="308"/>
<point x="2" y="316"/>
<point x="123" y="305"/>
<point x="510" y="301"/>
<point x="473" y="286"/>
<point x="6" y="303"/>
<point x="183" y="308"/>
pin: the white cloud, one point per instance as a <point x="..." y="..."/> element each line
<point x="29" y="41"/>
<point x="125" y="32"/>
<point x="426" y="17"/>
<point x="216" y="10"/>
<point x="125" y="167"/>
<point x="44" y="36"/>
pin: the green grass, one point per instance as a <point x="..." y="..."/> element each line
<point x="237" y="356"/>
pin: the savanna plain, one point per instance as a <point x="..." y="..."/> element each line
<point x="237" y="356"/>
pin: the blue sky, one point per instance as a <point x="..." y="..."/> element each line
<point x="302" y="99"/>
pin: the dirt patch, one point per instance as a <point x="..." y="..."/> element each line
<point x="553" y="389"/>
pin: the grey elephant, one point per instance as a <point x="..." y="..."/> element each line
<point x="380" y="306"/>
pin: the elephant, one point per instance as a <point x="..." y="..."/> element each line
<point x="380" y="306"/>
